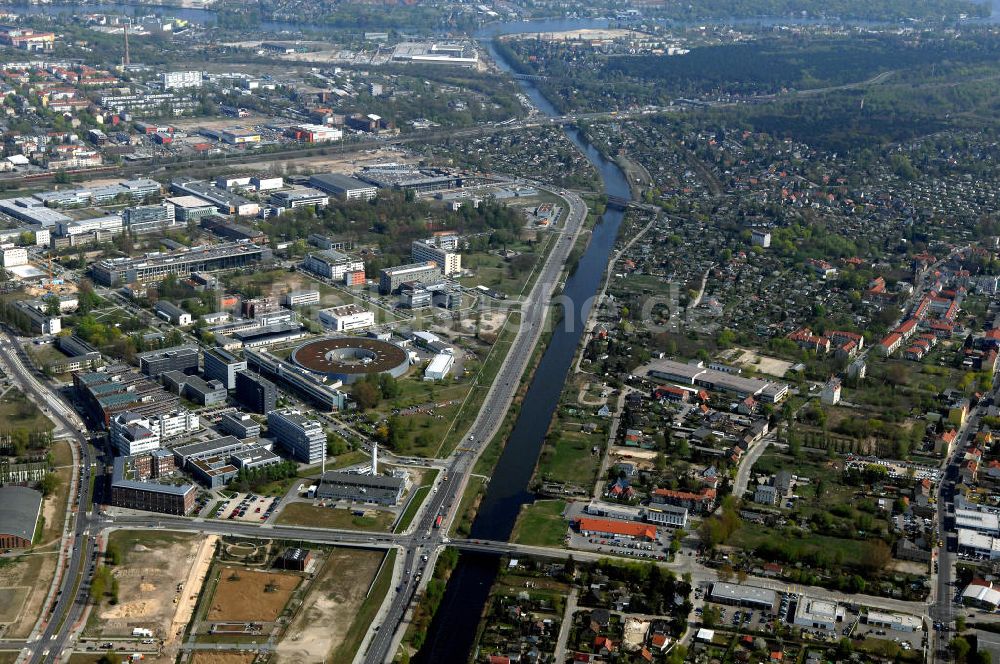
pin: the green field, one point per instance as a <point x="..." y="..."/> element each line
<point x="468" y="506"/>
<point x="750" y="535"/>
<point x="366" y="614"/>
<point x="306" y="514"/>
<point x="541" y="524"/>
<point x="16" y="412"/>
<point x="568" y="458"/>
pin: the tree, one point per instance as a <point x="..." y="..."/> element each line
<point x="960" y="624"/>
<point x="875" y="555"/>
<point x="365" y="395"/>
<point x="959" y="648"/>
<point x="49" y="483"/>
<point x="710" y="616"/>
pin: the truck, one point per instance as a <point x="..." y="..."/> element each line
<point x="438" y="520"/>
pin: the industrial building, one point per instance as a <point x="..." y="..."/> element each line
<point x="300" y="197"/>
<point x="440" y="250"/>
<point x="223" y="367"/>
<point x="118" y="388"/>
<point x="176" y="358"/>
<point x="391" y="278"/>
<point x="302" y="436"/>
<point x="336" y="266"/>
<point x="439" y="366"/>
<point x="377" y="489"/>
<point x="31" y="211"/>
<point x="740" y="595"/>
<point x="226" y="202"/>
<point x="447" y="53"/>
<point x="106" y="226"/>
<point x="347" y="318"/>
<point x="255" y="392"/>
<point x="154" y="267"/>
<point x="343" y="187"/>
<point x="19" y="511"/>
<point x="695" y="373"/>
<point x="817" y="613"/>
<point x="896" y="621"/>
<point x="148" y="496"/>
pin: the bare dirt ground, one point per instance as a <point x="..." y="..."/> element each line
<point x="196" y="576"/>
<point x="35" y="572"/>
<point x="251" y="595"/>
<point x="772" y="366"/>
<point x="222" y="658"/>
<point x="329" y="607"/>
<point x="148" y="586"/>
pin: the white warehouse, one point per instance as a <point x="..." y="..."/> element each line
<point x="439" y="366"/>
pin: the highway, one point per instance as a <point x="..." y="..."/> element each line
<point x="68" y="606"/>
<point x="419" y="547"/>
<point x="426" y="539"/>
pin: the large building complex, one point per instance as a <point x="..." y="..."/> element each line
<point x="391" y="278"/>
<point x="315" y="389"/>
<point x="177" y="358"/>
<point x="116" y="389"/>
<point x="131" y="493"/>
<point x="302" y="436"/>
<point x="343" y="187"/>
<point x="223" y="366"/>
<point x="347" y="318"/>
<point x="256" y="392"/>
<point x="378" y="489"/>
<point x="336" y="266"/>
<point x="695" y="373"/>
<point x="441" y="250"/>
<point x="180" y="79"/>
<point x="154" y="267"/>
<point x="225" y="201"/>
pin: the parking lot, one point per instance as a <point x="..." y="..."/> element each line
<point x="248" y="507"/>
<point x="622" y="547"/>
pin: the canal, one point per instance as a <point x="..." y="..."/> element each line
<point x="453" y="631"/>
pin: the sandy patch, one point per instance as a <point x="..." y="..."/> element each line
<point x="330" y="606"/>
<point x="251" y="595"/>
<point x="35" y="572"/>
<point x="221" y="658"/>
<point x="771" y="366"/>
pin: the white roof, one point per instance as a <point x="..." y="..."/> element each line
<point x="18" y="160"/>
<point x="981" y="593"/>
<point x="973" y="540"/>
<point x="976" y="520"/>
<point x="705" y="634"/>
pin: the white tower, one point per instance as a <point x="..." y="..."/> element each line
<point x="374" y="458"/>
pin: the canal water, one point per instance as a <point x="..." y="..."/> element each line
<point x="452" y="633"/>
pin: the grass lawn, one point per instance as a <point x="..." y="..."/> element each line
<point x="468" y="507"/>
<point x="569" y="458"/>
<point x="466" y="414"/>
<point x="8" y="657"/>
<point x="126" y="540"/>
<point x="366" y="614"/>
<point x="306" y="514"/>
<point x="62" y="455"/>
<point x="751" y="535"/>
<point x="541" y="524"/>
<point x="342" y="461"/>
<point x="16" y="412"/>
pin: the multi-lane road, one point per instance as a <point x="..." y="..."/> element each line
<point x="419" y="546"/>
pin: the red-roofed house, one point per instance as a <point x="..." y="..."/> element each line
<point x="615" y="527"/>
